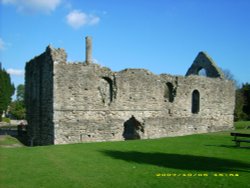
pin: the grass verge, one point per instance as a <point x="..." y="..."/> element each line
<point x="241" y="124"/>
<point x="205" y="160"/>
<point x="6" y="140"/>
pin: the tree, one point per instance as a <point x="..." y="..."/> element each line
<point x="17" y="110"/>
<point x="20" y="92"/>
<point x="17" y="107"/>
<point x="242" y="97"/>
<point x="242" y="103"/>
<point x="246" y="96"/>
<point x="7" y="89"/>
<point x="229" y="76"/>
<point x="239" y="102"/>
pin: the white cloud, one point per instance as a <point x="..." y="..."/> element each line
<point x="93" y="20"/>
<point x="44" y="6"/>
<point x="15" y="72"/>
<point x="77" y="19"/>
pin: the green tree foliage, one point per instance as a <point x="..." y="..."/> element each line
<point x="7" y="89"/>
<point x="20" y="92"/>
<point x="17" y="107"/>
<point x="242" y="97"/>
<point x="242" y="103"/>
<point x="17" y="110"/>
<point x="229" y="76"/>
<point x="246" y="96"/>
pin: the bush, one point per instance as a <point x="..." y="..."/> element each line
<point x="17" y="110"/>
<point x="6" y="120"/>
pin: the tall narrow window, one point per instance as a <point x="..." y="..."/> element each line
<point x="195" y="102"/>
<point x="169" y="92"/>
<point x="106" y="90"/>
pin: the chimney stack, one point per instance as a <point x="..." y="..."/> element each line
<point x="88" y="40"/>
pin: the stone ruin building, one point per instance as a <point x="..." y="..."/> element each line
<point x="84" y="102"/>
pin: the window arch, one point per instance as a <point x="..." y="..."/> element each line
<point x="195" y="102"/>
<point x="202" y="72"/>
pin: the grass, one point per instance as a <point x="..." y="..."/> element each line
<point x="8" y="141"/>
<point x="205" y="160"/>
<point x="241" y="124"/>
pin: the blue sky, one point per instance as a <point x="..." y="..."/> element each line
<point x="163" y="36"/>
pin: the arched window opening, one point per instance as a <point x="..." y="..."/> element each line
<point x="195" y="102"/>
<point x="202" y="72"/>
<point x="106" y="90"/>
<point x="169" y="93"/>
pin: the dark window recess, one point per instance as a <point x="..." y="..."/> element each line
<point x="106" y="90"/>
<point x="195" y="102"/>
<point x="169" y="93"/>
<point x="132" y="129"/>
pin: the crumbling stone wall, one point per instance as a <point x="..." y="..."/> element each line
<point x="39" y="92"/>
<point x="82" y="102"/>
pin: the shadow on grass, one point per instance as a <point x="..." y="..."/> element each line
<point x="23" y="139"/>
<point x="230" y="146"/>
<point x="179" y="161"/>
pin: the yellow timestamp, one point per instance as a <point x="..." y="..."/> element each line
<point x="196" y="174"/>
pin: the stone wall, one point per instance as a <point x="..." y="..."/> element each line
<point x="39" y="91"/>
<point x="93" y="103"/>
<point x="82" y="102"/>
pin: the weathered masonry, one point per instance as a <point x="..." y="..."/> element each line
<point x="83" y="102"/>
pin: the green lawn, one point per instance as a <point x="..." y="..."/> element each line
<point x="8" y="141"/>
<point x="205" y="160"/>
<point x="241" y="124"/>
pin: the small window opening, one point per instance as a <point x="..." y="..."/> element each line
<point x="169" y="93"/>
<point x="202" y="72"/>
<point x="106" y="90"/>
<point x="195" y="102"/>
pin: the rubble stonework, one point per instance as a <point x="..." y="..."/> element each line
<point x="84" y="102"/>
